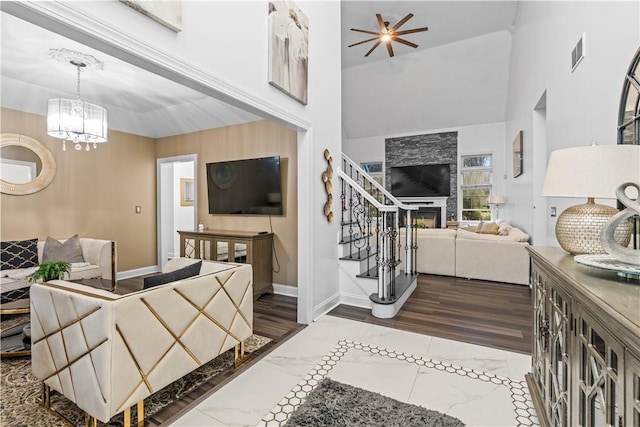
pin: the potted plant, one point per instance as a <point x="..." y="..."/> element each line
<point x="50" y="271"/>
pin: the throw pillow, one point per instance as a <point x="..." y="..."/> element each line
<point x="503" y="229"/>
<point x="67" y="251"/>
<point x="488" y="228"/>
<point x="18" y="254"/>
<point x="172" y="276"/>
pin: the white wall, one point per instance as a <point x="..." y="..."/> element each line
<point x="223" y="45"/>
<point x="183" y="216"/>
<point x="486" y="138"/>
<point x="581" y="106"/>
<point x="456" y="84"/>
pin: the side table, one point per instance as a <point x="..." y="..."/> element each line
<point x="452" y="224"/>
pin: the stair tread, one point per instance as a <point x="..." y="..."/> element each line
<point x="402" y="283"/>
<point x="349" y="240"/>
<point x="359" y="255"/>
<point x="372" y="273"/>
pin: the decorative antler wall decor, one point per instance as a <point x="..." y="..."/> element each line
<point x="327" y="175"/>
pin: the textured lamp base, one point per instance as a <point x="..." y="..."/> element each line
<point x="579" y="228"/>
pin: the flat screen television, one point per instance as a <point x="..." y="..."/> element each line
<point x="421" y="181"/>
<point x="245" y="187"/>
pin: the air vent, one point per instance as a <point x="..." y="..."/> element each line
<point x="578" y="53"/>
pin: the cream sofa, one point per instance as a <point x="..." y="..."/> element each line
<point x="471" y="255"/>
<point x="107" y="352"/>
<point x="100" y="261"/>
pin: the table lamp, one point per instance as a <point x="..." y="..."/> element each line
<point x="592" y="172"/>
<point x="497" y="200"/>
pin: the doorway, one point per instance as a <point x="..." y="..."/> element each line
<point x="176" y="202"/>
<point x="540" y="223"/>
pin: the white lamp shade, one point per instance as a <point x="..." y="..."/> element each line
<point x="497" y="200"/>
<point x="591" y="171"/>
<point x="76" y="120"/>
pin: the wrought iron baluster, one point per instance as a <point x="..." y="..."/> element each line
<point x="350" y="222"/>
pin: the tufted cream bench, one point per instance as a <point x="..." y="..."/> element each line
<point x="108" y="352"/>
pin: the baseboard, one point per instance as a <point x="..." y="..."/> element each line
<point x="137" y="272"/>
<point x="326" y="306"/>
<point x="286" y="290"/>
<point x="355" y="300"/>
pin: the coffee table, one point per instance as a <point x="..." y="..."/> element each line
<point x="19" y="306"/>
<point x="98" y="283"/>
<point x="15" y="341"/>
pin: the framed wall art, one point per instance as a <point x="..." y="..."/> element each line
<point x="187" y="192"/>
<point x="288" y="49"/>
<point x="517" y="155"/>
<point x="167" y="13"/>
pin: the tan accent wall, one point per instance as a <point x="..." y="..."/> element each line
<point x="93" y="194"/>
<point x="256" y="139"/>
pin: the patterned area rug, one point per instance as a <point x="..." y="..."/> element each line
<point x="19" y="388"/>
<point x="333" y="403"/>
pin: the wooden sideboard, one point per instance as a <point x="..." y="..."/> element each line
<point x="586" y="343"/>
<point x="245" y="246"/>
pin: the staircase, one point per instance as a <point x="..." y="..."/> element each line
<point x="370" y="241"/>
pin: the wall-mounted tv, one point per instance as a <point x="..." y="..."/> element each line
<point x="245" y="187"/>
<point x="421" y="181"/>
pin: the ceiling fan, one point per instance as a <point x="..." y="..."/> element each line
<point x="388" y="35"/>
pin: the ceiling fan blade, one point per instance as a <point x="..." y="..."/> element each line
<point x="366" y="31"/>
<point x="403" y="41"/>
<point x="414" y="30"/>
<point x="364" y="41"/>
<point x="374" y="46"/>
<point x="383" y="28"/>
<point x="389" y="49"/>
<point x="401" y="22"/>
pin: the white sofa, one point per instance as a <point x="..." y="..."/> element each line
<point x="100" y="261"/>
<point x="471" y="255"/>
<point x="107" y="352"/>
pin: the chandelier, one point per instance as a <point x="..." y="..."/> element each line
<point x="76" y="120"/>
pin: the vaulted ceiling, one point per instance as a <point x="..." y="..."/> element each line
<point x="457" y="76"/>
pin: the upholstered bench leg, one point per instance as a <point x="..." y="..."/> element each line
<point x="46" y="396"/>
<point x="140" y="414"/>
<point x="90" y="421"/>
<point x="140" y="418"/>
<point x="240" y="357"/>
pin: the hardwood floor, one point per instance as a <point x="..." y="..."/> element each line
<point x="486" y="313"/>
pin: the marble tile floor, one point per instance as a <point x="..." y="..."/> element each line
<point x="479" y="385"/>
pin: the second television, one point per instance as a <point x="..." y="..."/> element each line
<point x="245" y="187"/>
<point x="421" y="181"/>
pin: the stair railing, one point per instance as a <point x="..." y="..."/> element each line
<point x="370" y="212"/>
<point x="373" y="187"/>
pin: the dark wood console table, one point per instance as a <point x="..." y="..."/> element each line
<point x="247" y="247"/>
<point x="586" y="343"/>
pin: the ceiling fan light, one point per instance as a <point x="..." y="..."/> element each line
<point x="385" y="38"/>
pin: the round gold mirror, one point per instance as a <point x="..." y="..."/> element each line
<point x="26" y="166"/>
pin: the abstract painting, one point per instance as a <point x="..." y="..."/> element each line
<point x="168" y="13"/>
<point x="517" y="155"/>
<point x="288" y="49"/>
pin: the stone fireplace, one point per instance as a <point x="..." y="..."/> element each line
<point x="433" y="210"/>
<point x="426" y="149"/>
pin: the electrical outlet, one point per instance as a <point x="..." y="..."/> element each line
<point x="138" y="209"/>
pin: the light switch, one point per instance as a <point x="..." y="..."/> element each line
<point x="138" y="209"/>
<point x="553" y="211"/>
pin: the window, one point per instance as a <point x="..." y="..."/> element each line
<point x="475" y="186"/>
